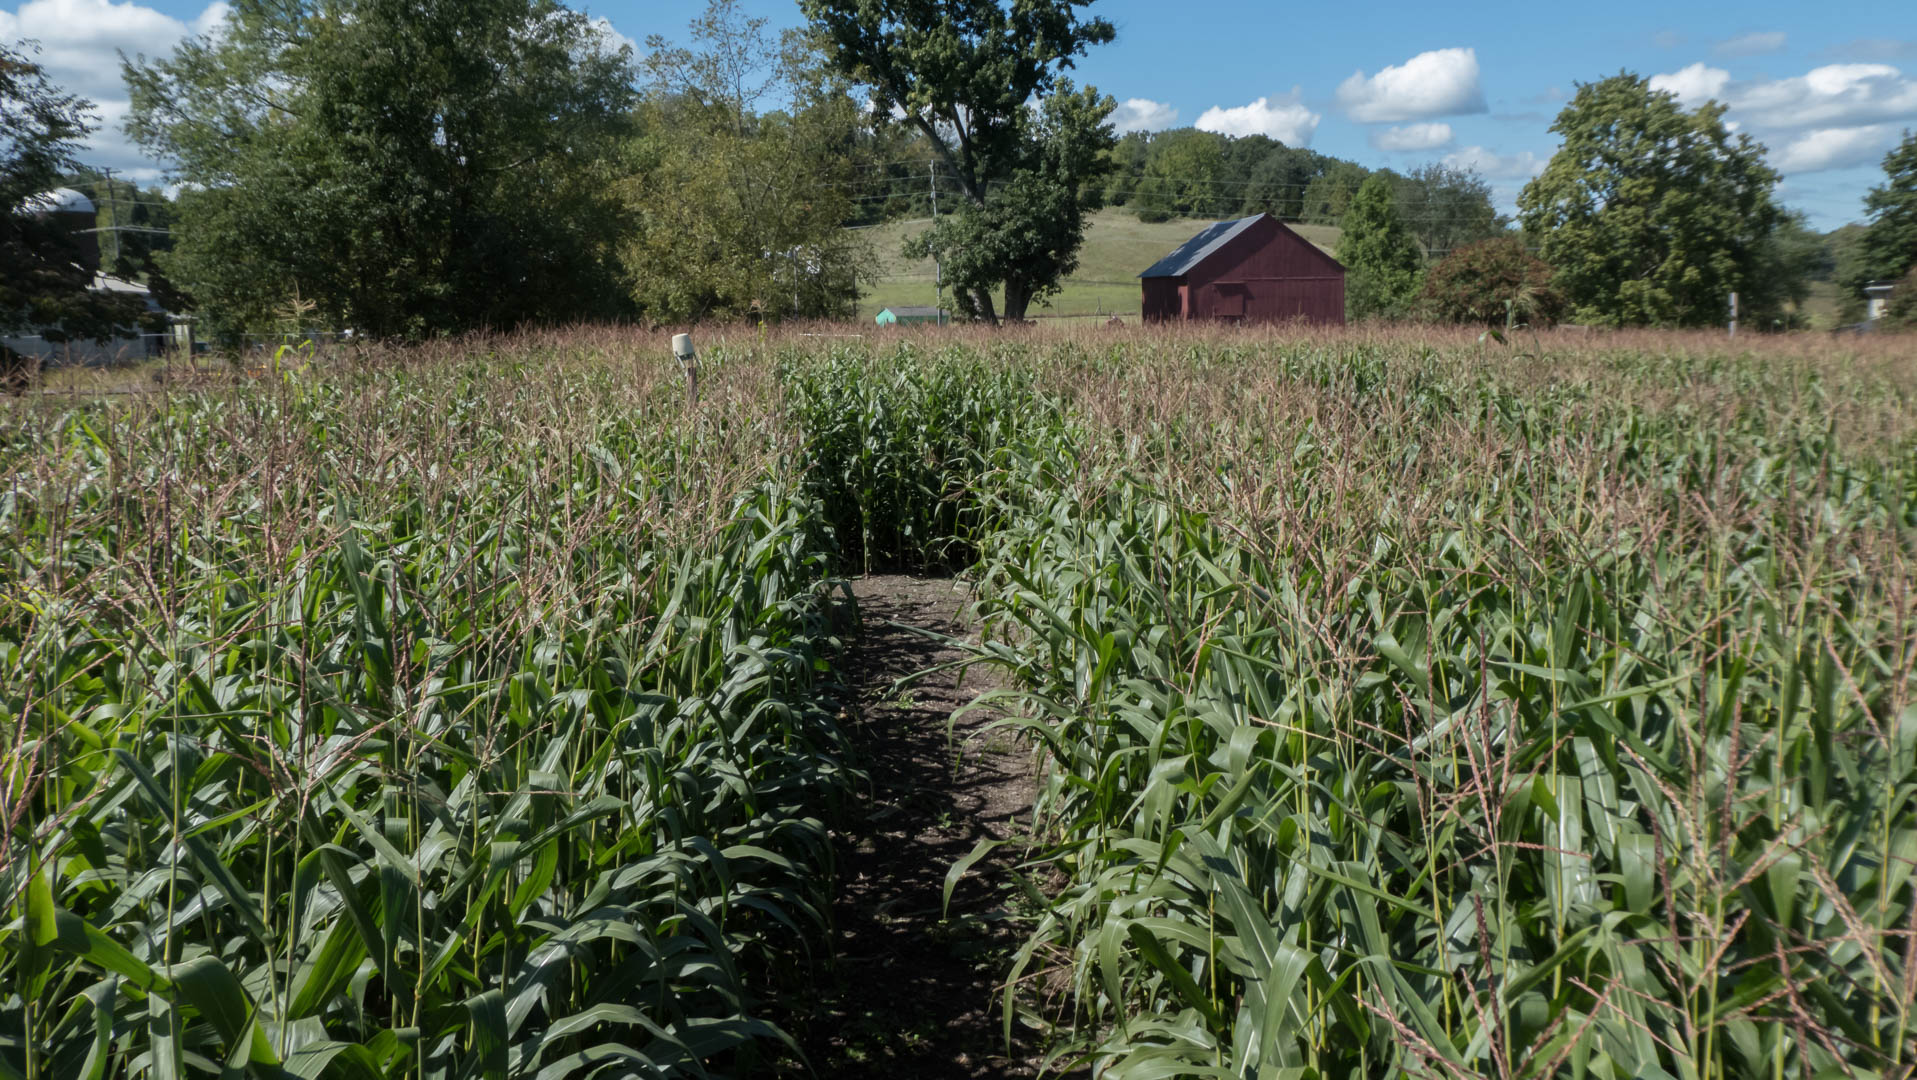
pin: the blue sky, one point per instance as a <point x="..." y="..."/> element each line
<point x="1828" y="87"/>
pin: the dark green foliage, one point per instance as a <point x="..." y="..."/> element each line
<point x="1328" y="197"/>
<point x="136" y="231"/>
<point x="1468" y="726"/>
<point x="1383" y="265"/>
<point x="1202" y="174"/>
<point x="1183" y="176"/>
<point x="45" y="282"/>
<point x="895" y="449"/>
<point x="1026" y="233"/>
<point x="741" y="179"/>
<point x="429" y="719"/>
<point x="1492" y="283"/>
<point x="1652" y="215"/>
<point x="1788" y="260"/>
<point x="1447" y="208"/>
<point x="1889" y="247"/>
<point x="1849" y="268"/>
<point x="964" y="73"/>
<point x="411" y="169"/>
<point x="1901" y="311"/>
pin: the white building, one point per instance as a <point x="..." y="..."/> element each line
<point x="1877" y="299"/>
<point x="77" y="214"/>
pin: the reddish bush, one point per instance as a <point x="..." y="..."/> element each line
<point x="1475" y="284"/>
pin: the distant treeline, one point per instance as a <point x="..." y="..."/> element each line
<point x="1187" y="173"/>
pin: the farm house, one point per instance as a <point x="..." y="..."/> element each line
<point x="1250" y="270"/>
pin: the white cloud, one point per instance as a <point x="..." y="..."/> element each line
<point x="1442" y="82"/>
<point x="1141" y="114"/>
<point x="1755" y="43"/>
<point x="212" y="21"/>
<point x="1693" y="85"/>
<point x="80" y="39"/>
<point x="1667" y="39"/>
<point x="1413" y="137"/>
<point x="1835" y="148"/>
<point x="1492" y="165"/>
<point x="1836" y="95"/>
<point x="1830" y="117"/>
<point x="1286" y="120"/>
<point x="611" y="37"/>
<point x="80" y="42"/>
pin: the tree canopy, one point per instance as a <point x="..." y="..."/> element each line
<point x="1382" y="261"/>
<point x="1446" y="208"/>
<point x="966" y="74"/>
<point x="1889" y="249"/>
<point x="409" y="168"/>
<point x="1651" y="214"/>
<point x="732" y="208"/>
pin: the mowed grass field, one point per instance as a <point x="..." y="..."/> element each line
<point x="1403" y="705"/>
<point x="1117" y="247"/>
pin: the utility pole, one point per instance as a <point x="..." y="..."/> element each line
<point x="113" y="222"/>
<point x="938" y="274"/>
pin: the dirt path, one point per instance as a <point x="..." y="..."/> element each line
<point x="910" y="993"/>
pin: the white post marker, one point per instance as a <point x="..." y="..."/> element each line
<point x="682" y="348"/>
<point x="1733" y="314"/>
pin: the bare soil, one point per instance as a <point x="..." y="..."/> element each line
<point x="908" y="991"/>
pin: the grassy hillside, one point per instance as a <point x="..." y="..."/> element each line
<point x="1117" y="247"/>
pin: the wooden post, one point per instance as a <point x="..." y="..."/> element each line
<point x="682" y="348"/>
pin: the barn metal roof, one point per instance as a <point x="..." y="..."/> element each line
<point x="61" y="200"/>
<point x="1198" y="248"/>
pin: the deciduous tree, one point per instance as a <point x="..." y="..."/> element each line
<point x="1183" y="177"/>
<point x="1889" y="249"/>
<point x="1787" y="261"/>
<point x="411" y="168"/>
<point x="1027" y="234"/>
<point x="1902" y="309"/>
<point x="1447" y="208"/>
<point x="968" y="75"/>
<point x="1382" y="261"/>
<point x="1652" y="214"/>
<point x="736" y="208"/>
<point x="1328" y="196"/>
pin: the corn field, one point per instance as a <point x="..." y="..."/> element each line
<point x="1404" y="708"/>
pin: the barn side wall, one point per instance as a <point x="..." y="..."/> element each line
<point x="1267" y="274"/>
<point x="1159" y="301"/>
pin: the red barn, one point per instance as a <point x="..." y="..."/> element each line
<point x="1250" y="270"/>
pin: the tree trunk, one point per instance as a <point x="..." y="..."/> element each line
<point x="982" y="303"/>
<point x="1018" y="297"/>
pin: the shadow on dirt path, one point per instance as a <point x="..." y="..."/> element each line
<point x="910" y="993"/>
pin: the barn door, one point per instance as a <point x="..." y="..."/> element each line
<point x="1231" y="302"/>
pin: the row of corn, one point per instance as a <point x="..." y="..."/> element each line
<point x="1403" y="711"/>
